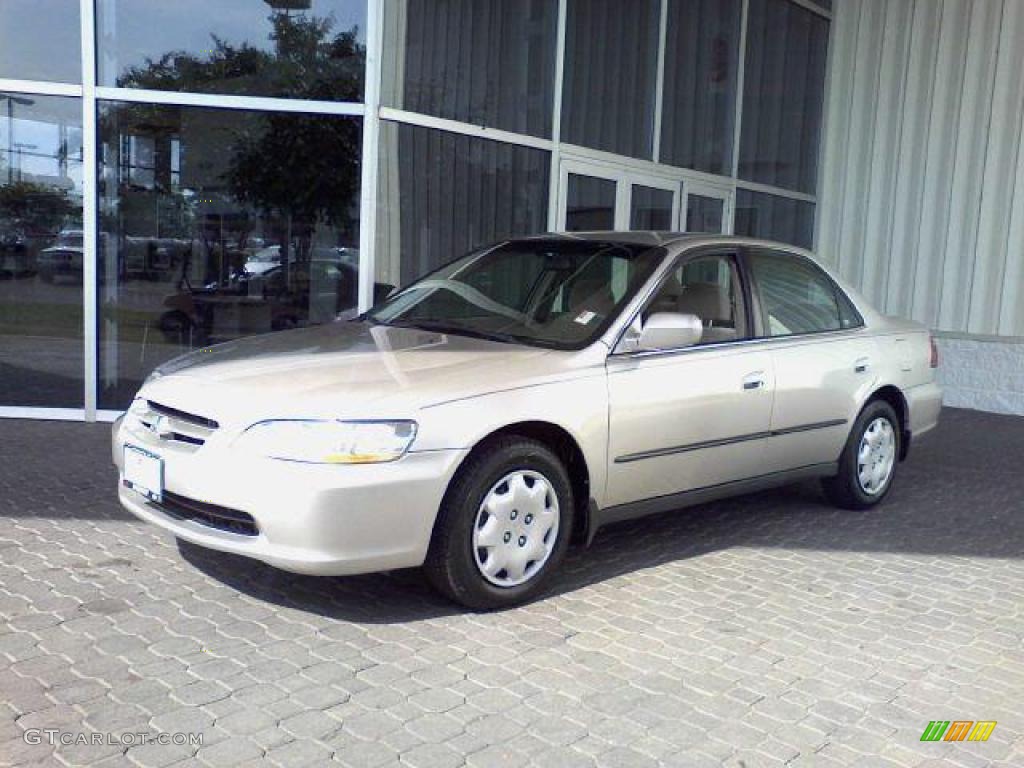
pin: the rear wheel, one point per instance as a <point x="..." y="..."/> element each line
<point x="868" y="463"/>
<point x="504" y="525"/>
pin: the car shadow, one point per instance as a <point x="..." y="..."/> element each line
<point x="960" y="493"/>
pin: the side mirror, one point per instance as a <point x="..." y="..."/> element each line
<point x="670" y="330"/>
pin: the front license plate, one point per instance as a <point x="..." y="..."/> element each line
<point x="144" y="472"/>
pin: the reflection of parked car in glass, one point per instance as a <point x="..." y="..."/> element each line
<point x="152" y="258"/>
<point x="17" y="255"/>
<point x="338" y="254"/>
<point x="263" y="297"/>
<point x="63" y="258"/>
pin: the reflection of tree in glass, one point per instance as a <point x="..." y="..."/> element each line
<point x="35" y="208"/>
<point x="307" y="62"/>
<point x="296" y="171"/>
<point x="304" y="168"/>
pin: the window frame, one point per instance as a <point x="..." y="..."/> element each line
<point x="746" y="290"/>
<point x="599" y="331"/>
<point x="761" y="318"/>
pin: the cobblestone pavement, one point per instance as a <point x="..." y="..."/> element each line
<point x="766" y="630"/>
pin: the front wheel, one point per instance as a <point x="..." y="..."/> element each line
<point x="868" y="463"/>
<point x="504" y="525"/>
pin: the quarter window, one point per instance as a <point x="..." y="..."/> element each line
<point x="796" y="296"/>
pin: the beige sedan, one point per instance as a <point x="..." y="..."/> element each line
<point x="523" y="396"/>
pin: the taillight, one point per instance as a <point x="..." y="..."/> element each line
<point x="935" y="352"/>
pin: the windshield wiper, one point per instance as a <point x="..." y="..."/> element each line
<point x="456" y="330"/>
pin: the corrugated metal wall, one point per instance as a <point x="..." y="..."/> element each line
<point x="922" y="185"/>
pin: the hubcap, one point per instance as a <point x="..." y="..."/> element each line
<point x="516" y="528"/>
<point x="876" y="456"/>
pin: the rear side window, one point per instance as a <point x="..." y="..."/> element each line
<point x="849" y="317"/>
<point x="797" y="297"/>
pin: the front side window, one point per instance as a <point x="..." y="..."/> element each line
<point x="796" y="296"/>
<point x="550" y="293"/>
<point x="708" y="287"/>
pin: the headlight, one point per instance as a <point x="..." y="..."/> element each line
<point x="330" y="442"/>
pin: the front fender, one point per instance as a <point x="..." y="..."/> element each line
<point x="578" y="405"/>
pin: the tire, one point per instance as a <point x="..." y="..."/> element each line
<point x="856" y="486"/>
<point x="456" y="565"/>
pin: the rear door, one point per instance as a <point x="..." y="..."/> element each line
<point x="821" y="355"/>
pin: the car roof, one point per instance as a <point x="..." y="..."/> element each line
<point x="655" y="238"/>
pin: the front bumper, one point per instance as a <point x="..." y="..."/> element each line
<point x="311" y="518"/>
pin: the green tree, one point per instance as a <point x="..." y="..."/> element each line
<point x="303" y="168"/>
<point x="35" y="207"/>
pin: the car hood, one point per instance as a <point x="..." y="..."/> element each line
<point x="348" y="370"/>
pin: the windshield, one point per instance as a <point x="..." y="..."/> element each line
<point x="555" y="293"/>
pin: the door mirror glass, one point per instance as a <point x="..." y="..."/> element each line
<point x="670" y="330"/>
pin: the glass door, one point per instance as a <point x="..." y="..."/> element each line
<point x="589" y="203"/>
<point x="653" y="208"/>
<point x="596" y="195"/>
<point x="708" y="208"/>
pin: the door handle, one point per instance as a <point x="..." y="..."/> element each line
<point x="754" y="380"/>
<point x="862" y="365"/>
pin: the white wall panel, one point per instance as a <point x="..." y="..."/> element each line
<point x="902" y="248"/>
<point x="966" y="195"/>
<point x="1002" y="179"/>
<point x="922" y="187"/>
<point x="887" y="118"/>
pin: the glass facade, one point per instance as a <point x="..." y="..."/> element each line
<point x="783" y="95"/>
<point x="591" y="204"/>
<point x="442" y="194"/>
<point x="41" y="40"/>
<point x="41" y="348"/>
<point x="650" y="208"/>
<point x="611" y="71"/>
<point x="216" y="224"/>
<point x="485" y="62"/>
<point x="702" y="46"/>
<point x="226" y="191"/>
<point x="774" y="218"/>
<point x="704" y="214"/>
<point x="288" y="48"/>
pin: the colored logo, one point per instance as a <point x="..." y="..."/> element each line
<point x="958" y="730"/>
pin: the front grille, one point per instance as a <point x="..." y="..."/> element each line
<point x="210" y="515"/>
<point x="176" y="426"/>
<point x="189" y="418"/>
<point x="181" y="437"/>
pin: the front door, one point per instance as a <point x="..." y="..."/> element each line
<point x="691" y="418"/>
